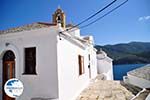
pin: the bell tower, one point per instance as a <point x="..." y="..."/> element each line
<point x="59" y="17"/>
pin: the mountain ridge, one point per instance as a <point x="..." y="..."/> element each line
<point x="128" y="53"/>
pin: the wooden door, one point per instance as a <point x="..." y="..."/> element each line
<point x="8" y="73"/>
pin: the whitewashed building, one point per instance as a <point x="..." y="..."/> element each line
<point x="139" y="77"/>
<point x="52" y="63"/>
<point x="104" y="65"/>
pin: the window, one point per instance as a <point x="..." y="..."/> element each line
<point x="30" y="60"/>
<point x="81" y="64"/>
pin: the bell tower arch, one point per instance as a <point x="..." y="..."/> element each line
<point x="59" y="17"/>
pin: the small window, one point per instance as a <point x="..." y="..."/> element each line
<point x="81" y="64"/>
<point x="30" y="61"/>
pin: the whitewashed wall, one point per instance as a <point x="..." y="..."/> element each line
<point x="45" y="83"/>
<point x="56" y="64"/>
<point x="105" y="66"/>
<point x="93" y="61"/>
<point x="70" y="83"/>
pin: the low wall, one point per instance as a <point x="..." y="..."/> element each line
<point x="105" y="67"/>
<point x="142" y="83"/>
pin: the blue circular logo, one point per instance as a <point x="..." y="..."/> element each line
<point x="13" y="88"/>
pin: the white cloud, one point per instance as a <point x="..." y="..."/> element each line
<point x="144" y="18"/>
<point x="147" y="17"/>
<point x="141" y="18"/>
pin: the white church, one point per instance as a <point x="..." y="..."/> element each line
<point x="53" y="64"/>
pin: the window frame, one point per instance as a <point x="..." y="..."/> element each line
<point x="25" y="71"/>
<point x="81" y="65"/>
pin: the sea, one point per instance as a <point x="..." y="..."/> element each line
<point x="121" y="70"/>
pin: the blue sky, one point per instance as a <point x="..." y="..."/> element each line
<point x="129" y="23"/>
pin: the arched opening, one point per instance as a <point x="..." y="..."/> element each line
<point x="8" y="70"/>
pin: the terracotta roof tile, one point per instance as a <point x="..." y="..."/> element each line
<point x="33" y="26"/>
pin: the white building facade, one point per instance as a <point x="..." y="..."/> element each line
<point x="139" y="77"/>
<point x="104" y="65"/>
<point x="52" y="63"/>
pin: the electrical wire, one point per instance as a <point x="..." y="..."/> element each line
<point x="90" y="17"/>
<point x="96" y="19"/>
<point x="104" y="15"/>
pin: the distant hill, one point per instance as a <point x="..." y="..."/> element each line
<point x="128" y="53"/>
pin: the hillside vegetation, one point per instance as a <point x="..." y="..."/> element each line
<point x="128" y="53"/>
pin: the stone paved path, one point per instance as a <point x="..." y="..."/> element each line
<point x="105" y="90"/>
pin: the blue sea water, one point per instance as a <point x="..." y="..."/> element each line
<point x="121" y="70"/>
